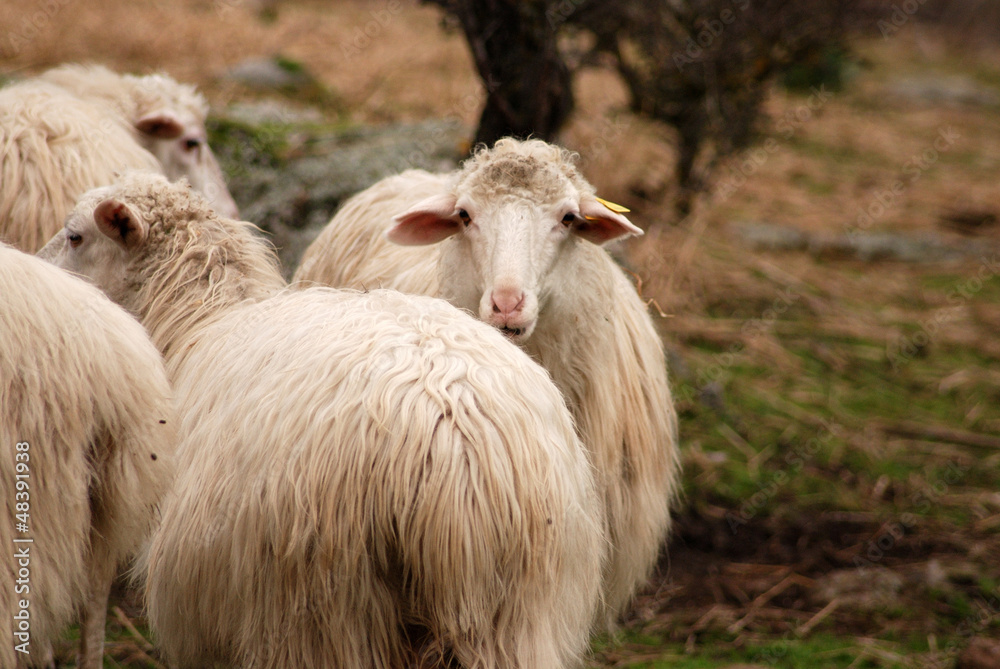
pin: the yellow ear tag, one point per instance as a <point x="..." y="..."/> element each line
<point x="617" y="208"/>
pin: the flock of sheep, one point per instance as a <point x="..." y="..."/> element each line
<point x="342" y="472"/>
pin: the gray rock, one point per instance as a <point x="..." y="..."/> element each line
<point x="862" y="245"/>
<point x="953" y="90"/>
<point x="269" y="73"/>
<point x="870" y="247"/>
<point x="272" y="111"/>
<point x="289" y="179"/>
<point x="770" y="237"/>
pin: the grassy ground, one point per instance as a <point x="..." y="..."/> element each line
<point x="839" y="417"/>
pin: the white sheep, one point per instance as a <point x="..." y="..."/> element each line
<point x="88" y="435"/>
<point x="366" y="479"/>
<point x="74" y="127"/>
<point x="519" y="231"/>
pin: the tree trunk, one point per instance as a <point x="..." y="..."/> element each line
<point x="528" y="86"/>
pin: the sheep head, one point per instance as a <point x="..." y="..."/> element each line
<point x="508" y="216"/>
<point x="87" y="249"/>
<point x="157" y="248"/>
<point x="109" y="235"/>
<point x="171" y="126"/>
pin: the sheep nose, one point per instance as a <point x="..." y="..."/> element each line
<point x="507" y="302"/>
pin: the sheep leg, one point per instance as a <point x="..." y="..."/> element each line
<point x="93" y="614"/>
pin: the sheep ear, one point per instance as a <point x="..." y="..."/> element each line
<point x="161" y="125"/>
<point x="602" y="221"/>
<point x="427" y="222"/>
<point x="116" y="220"/>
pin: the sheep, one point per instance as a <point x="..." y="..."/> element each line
<point x="88" y="432"/>
<point x="518" y="232"/>
<point x="74" y="127"/>
<point x="366" y="479"/>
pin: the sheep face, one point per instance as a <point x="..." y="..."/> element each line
<point x="82" y="249"/>
<point x="510" y="217"/>
<point x="178" y="139"/>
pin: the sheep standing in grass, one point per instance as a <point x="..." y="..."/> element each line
<point x="519" y="231"/>
<point x="366" y="479"/>
<point x="88" y="431"/>
<point x="74" y="127"/>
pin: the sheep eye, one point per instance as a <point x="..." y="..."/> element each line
<point x="464" y="215"/>
<point x="568" y="218"/>
<point x="74" y="239"/>
<point x="191" y="144"/>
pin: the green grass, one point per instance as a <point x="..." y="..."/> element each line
<point x="785" y="652"/>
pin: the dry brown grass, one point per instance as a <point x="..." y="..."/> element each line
<point x="411" y="69"/>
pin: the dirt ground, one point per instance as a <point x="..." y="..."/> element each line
<point x="832" y="337"/>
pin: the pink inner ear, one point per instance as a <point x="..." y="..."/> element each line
<point x="162" y="125"/>
<point x="601" y="225"/>
<point x="428" y="222"/>
<point x="116" y="220"/>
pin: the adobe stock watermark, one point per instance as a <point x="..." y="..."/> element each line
<point x="794" y="460"/>
<point x="986" y="609"/>
<point x="609" y="132"/>
<point x="365" y="35"/>
<point x="906" y="348"/>
<point x="753" y="159"/>
<point x="557" y="14"/>
<point x="427" y="146"/>
<point x="900" y="16"/>
<point x="922" y="501"/>
<point x="30" y="27"/>
<point x="885" y="199"/>
<point x="21" y="563"/>
<point x="986" y="612"/>
<point x="750" y="330"/>
<point x="712" y="29"/>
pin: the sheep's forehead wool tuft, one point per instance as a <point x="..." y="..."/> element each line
<point x="521" y="175"/>
<point x="153" y="92"/>
<point x="531" y="169"/>
<point x="158" y="200"/>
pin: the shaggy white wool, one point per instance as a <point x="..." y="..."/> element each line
<point x="83" y="387"/>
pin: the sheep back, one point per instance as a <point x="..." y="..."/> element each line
<point x="131" y="96"/>
<point x="353" y="251"/>
<point x="373" y="480"/>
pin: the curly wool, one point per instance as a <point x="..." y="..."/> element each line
<point x="530" y="168"/>
<point x="354" y="253"/>
<point x="193" y="257"/>
<point x="83" y="386"/>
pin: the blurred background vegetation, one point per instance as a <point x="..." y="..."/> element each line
<point x="819" y="186"/>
